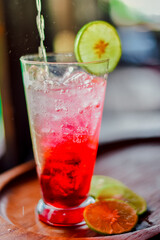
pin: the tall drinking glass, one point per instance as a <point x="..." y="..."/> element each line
<point x="65" y="104"/>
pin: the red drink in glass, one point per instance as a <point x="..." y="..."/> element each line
<point x="65" y="112"/>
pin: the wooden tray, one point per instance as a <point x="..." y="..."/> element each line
<point x="137" y="165"/>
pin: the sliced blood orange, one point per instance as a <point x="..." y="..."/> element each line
<point x="110" y="217"/>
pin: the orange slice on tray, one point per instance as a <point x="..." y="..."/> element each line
<point x="110" y="217"/>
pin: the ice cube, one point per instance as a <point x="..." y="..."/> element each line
<point x="38" y="73"/>
<point x="77" y="77"/>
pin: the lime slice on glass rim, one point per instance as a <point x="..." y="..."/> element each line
<point x="98" y="41"/>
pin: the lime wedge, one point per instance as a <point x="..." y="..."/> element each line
<point x="123" y="193"/>
<point x="98" y="41"/>
<point x="100" y="182"/>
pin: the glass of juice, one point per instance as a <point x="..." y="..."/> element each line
<point x="65" y="102"/>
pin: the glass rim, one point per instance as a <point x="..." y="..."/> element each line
<point x="25" y="59"/>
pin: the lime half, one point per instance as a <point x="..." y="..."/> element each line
<point x="125" y="194"/>
<point x="100" y="182"/>
<point x="98" y="41"/>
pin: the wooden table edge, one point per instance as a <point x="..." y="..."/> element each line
<point x="8" y="230"/>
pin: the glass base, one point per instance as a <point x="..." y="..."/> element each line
<point x="62" y="217"/>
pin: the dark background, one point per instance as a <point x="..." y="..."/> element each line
<point x="132" y="106"/>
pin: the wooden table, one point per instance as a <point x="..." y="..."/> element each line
<point x="136" y="163"/>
